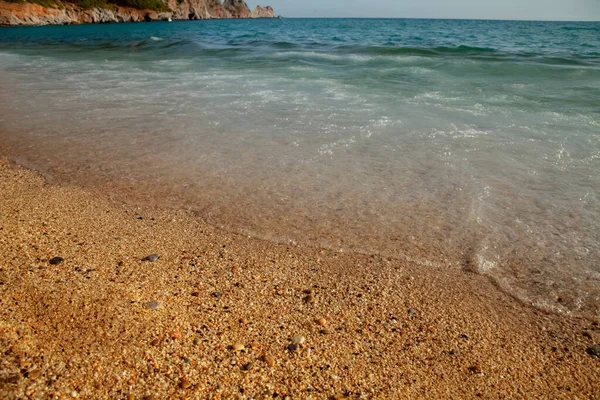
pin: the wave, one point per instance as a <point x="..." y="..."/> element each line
<point x="564" y="61"/>
<point x="257" y="45"/>
<point x="581" y="28"/>
<point x="262" y="44"/>
<point x="424" y="51"/>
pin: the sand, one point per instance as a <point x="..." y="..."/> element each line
<point x="214" y="317"/>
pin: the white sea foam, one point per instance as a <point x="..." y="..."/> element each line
<point x="323" y="56"/>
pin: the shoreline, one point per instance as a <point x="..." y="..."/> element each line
<point x="216" y="316"/>
<point x="134" y="22"/>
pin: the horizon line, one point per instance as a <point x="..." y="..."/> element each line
<point x="454" y="19"/>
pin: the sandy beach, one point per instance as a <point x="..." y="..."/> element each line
<point x="222" y="316"/>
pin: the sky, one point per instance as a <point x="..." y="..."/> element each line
<point x="572" y="10"/>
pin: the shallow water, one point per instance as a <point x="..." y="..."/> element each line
<point x="458" y="144"/>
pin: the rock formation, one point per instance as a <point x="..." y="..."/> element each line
<point x="238" y="8"/>
<point x="263" y="12"/>
<point x="27" y="13"/>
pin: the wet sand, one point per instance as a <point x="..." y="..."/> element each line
<point x="216" y="315"/>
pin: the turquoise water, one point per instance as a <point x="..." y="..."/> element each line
<point x="470" y="145"/>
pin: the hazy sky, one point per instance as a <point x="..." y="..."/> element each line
<point x="488" y="9"/>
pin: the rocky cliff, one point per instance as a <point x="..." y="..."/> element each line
<point x="63" y="12"/>
<point x="263" y="12"/>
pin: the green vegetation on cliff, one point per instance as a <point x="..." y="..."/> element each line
<point x="43" y="3"/>
<point x="155" y="5"/>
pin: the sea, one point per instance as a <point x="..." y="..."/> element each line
<point x="464" y="145"/>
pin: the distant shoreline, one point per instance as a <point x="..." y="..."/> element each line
<point x="166" y="19"/>
<point x="66" y="13"/>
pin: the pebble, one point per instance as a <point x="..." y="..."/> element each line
<point x="175" y="335"/>
<point x="475" y="369"/>
<point x="270" y="361"/>
<point x="292" y="347"/>
<point x="56" y="260"/>
<point x="217" y="294"/>
<point x="130" y="397"/>
<point x="35" y="374"/>
<point x="298" y="339"/>
<point x="322" y="321"/>
<point x="184" y="383"/>
<point x="594" y="350"/>
<point x="152" y="305"/>
<point x="238" y="347"/>
<point x="155" y="342"/>
<point x="309" y="299"/>
<point x="248" y="367"/>
<point x="151" y="257"/>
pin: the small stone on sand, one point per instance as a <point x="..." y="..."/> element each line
<point x="151" y="257"/>
<point x="238" y="347"/>
<point x="184" y="383"/>
<point x="475" y="369"/>
<point x="292" y="347"/>
<point x="152" y="305"/>
<point x="56" y="260"/>
<point x="270" y="361"/>
<point x="309" y="299"/>
<point x="248" y="367"/>
<point x="594" y="350"/>
<point x="298" y="339"/>
<point x="322" y="321"/>
<point x="35" y="374"/>
<point x="175" y="335"/>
